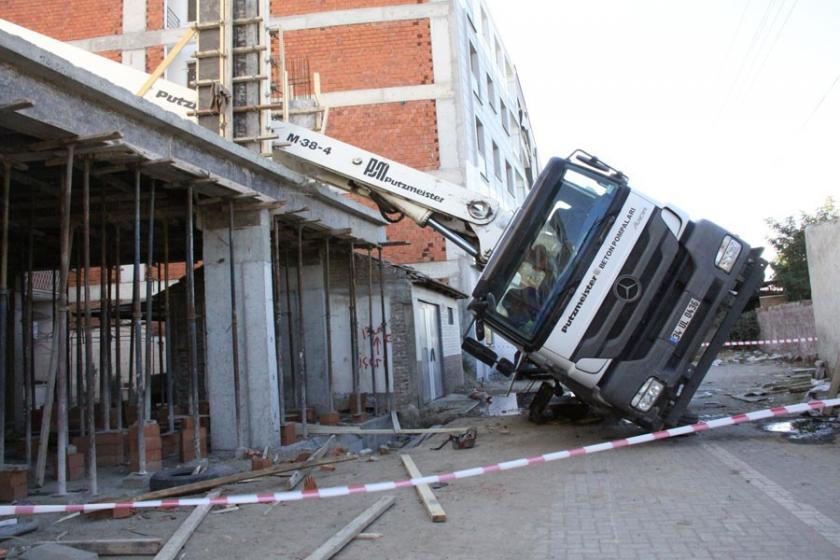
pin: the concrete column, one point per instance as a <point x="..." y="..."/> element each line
<point x="258" y="391"/>
<point x="134" y="19"/>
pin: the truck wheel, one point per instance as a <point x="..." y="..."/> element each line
<point x="536" y="410"/>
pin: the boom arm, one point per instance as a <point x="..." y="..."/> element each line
<point x="472" y="222"/>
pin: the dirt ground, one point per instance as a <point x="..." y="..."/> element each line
<point x="738" y="492"/>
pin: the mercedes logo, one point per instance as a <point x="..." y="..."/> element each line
<point x="627" y="288"/>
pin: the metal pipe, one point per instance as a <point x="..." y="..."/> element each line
<point x="138" y="360"/>
<point x="4" y="303"/>
<point x="234" y="328"/>
<point x="89" y="375"/>
<point x="386" y="367"/>
<point x="159" y="313"/>
<point x="28" y="401"/>
<point x="80" y="372"/>
<point x="104" y="374"/>
<point x="371" y="334"/>
<point x="453" y="237"/>
<point x="46" y="417"/>
<point x="291" y="328"/>
<point x="192" y="339"/>
<point x="354" y="340"/>
<point x="118" y="329"/>
<point x="61" y="373"/>
<point x="278" y="342"/>
<point x="302" y="336"/>
<point x="109" y="365"/>
<point x="150" y="350"/>
<point x="170" y="387"/>
<point x="328" y="325"/>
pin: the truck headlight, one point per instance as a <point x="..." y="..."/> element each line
<point x="728" y="253"/>
<point x="647" y="395"/>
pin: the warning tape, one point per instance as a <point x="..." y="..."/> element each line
<point x="772" y="342"/>
<point x="273" y="497"/>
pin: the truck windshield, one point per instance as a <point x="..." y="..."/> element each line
<point x="558" y="231"/>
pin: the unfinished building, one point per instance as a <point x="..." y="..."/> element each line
<point x="284" y="311"/>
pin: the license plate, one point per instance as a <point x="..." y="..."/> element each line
<point x="685" y="320"/>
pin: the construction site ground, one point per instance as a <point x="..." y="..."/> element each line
<point x="739" y="492"/>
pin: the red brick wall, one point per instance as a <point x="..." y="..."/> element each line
<point x="366" y="56"/>
<point x="116" y="56"/>
<point x="154" y="14"/>
<point x="154" y="56"/>
<point x="407" y="133"/>
<point x="66" y="20"/>
<point x="295" y="7"/>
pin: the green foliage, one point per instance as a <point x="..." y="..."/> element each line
<point x="791" y="264"/>
<point x="746" y="327"/>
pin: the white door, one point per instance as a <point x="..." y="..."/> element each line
<point x="430" y="352"/>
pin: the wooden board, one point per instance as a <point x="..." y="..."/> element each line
<point x="316" y="429"/>
<point x="427" y="497"/>
<point x="180" y="537"/>
<point x="113" y="547"/>
<point x="338" y="541"/>
<point x="205" y="485"/>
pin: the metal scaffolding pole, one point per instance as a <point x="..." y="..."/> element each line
<point x="291" y="328"/>
<point x="301" y="336"/>
<point x="234" y="330"/>
<point x="278" y="342"/>
<point x="104" y="374"/>
<point x="371" y="333"/>
<point x="386" y="367"/>
<point x="170" y="387"/>
<point x="4" y="303"/>
<point x="80" y="372"/>
<point x="28" y="339"/>
<point x="109" y="364"/>
<point x="89" y="375"/>
<point x="159" y="313"/>
<point x="192" y="338"/>
<point x="150" y="350"/>
<point x="117" y="392"/>
<point x="61" y="321"/>
<point x="328" y="324"/>
<point x="138" y="360"/>
<point x="354" y="340"/>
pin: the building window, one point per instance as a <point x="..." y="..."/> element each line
<point x="520" y="185"/>
<point x="480" y="148"/>
<point x="451" y="314"/>
<point x="491" y="93"/>
<point x="191" y="74"/>
<point x="504" y="114"/>
<point x="191" y="10"/>
<point x="485" y="25"/>
<point x="476" y="72"/>
<point x="497" y="161"/>
<point x="509" y="177"/>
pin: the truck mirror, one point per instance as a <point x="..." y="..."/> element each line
<point x="479" y="351"/>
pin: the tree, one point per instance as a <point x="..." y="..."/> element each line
<point x="791" y="263"/>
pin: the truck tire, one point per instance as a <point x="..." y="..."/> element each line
<point x="536" y="410"/>
<point x="169" y="478"/>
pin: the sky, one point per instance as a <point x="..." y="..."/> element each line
<point x="728" y="109"/>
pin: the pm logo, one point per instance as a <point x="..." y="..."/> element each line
<point x="377" y="169"/>
<point x="627" y="288"/>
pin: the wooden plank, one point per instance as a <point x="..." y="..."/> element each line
<point x="318" y="429"/>
<point x="178" y="539"/>
<point x="164" y="64"/>
<point x="338" y="541"/>
<point x="113" y="547"/>
<point x="430" y="501"/>
<point x="395" y="421"/>
<point x="205" y="485"/>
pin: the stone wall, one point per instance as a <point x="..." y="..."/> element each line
<point x="789" y="320"/>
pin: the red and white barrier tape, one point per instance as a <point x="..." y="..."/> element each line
<point x="773" y="342"/>
<point x="334" y="491"/>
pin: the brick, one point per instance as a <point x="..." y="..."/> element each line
<point x="288" y="434"/>
<point x="298" y="7"/>
<point x="66" y="21"/>
<point x="186" y="448"/>
<point x="13" y="486"/>
<point x="259" y="463"/>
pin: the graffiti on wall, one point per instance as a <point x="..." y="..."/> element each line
<point x="366" y="361"/>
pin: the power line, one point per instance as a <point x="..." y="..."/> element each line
<point x="746" y="56"/>
<point x="821" y="101"/>
<point x="773" y="43"/>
